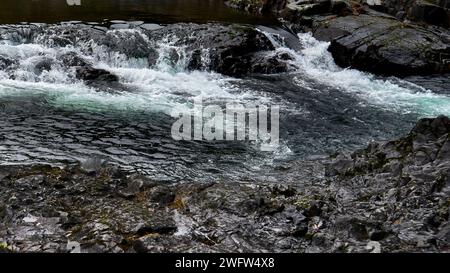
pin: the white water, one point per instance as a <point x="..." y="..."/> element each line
<point x="161" y="89"/>
<point x="169" y="85"/>
<point x="318" y="65"/>
<point x="166" y="87"/>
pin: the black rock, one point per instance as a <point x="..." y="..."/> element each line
<point x="429" y="13"/>
<point x="99" y="79"/>
<point x="437" y="127"/>
<point x="43" y="65"/>
<point x="87" y="73"/>
<point x="405" y="49"/>
<point x="72" y="59"/>
<point x="232" y="49"/>
<point x="5" y="62"/>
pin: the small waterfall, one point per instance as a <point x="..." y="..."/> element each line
<point x="39" y="67"/>
<point x="316" y="65"/>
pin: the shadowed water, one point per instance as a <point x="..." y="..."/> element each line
<point x="156" y="11"/>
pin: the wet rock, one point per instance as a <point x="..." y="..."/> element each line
<point x="152" y="58"/>
<point x="72" y="59"/>
<point x="150" y="26"/>
<point x="44" y="64"/>
<point x="232" y="50"/>
<point x="92" y="165"/>
<point x="266" y="64"/>
<point x="95" y="74"/>
<point x="99" y="79"/>
<point x="361" y="206"/>
<point x="432" y="127"/>
<point x="405" y="49"/>
<point x="5" y="62"/>
<point x="373" y="41"/>
<point x="429" y="13"/>
<point x="308" y="7"/>
<point x="433" y="12"/>
<point x="131" y="43"/>
<point x="120" y="26"/>
<point x="195" y="62"/>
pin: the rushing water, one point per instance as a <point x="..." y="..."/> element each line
<point x="50" y="116"/>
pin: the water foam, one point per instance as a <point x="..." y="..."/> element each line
<point x="317" y="64"/>
<point x="163" y="87"/>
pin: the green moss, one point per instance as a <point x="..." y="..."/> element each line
<point x="303" y="202"/>
<point x="3" y="246"/>
<point x="37" y="170"/>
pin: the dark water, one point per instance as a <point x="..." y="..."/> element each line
<point x="155" y="11"/>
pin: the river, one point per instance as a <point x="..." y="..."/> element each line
<point x="51" y="117"/>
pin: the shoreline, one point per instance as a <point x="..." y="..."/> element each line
<point x="388" y="197"/>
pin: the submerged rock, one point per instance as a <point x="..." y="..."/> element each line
<point x="6" y="62"/>
<point x="99" y="79"/>
<point x="71" y="59"/>
<point x="91" y="74"/>
<point x="44" y="64"/>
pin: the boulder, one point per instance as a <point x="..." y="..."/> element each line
<point x="233" y="50"/>
<point x="383" y="45"/>
<point x="87" y="73"/>
<point x="44" y="64"/>
<point x="429" y="13"/>
<point x="130" y="43"/>
<point x="434" y="127"/>
<point x="434" y="12"/>
<point x="99" y="79"/>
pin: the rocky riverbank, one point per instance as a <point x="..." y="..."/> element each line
<point x="398" y="38"/>
<point x="388" y="197"/>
